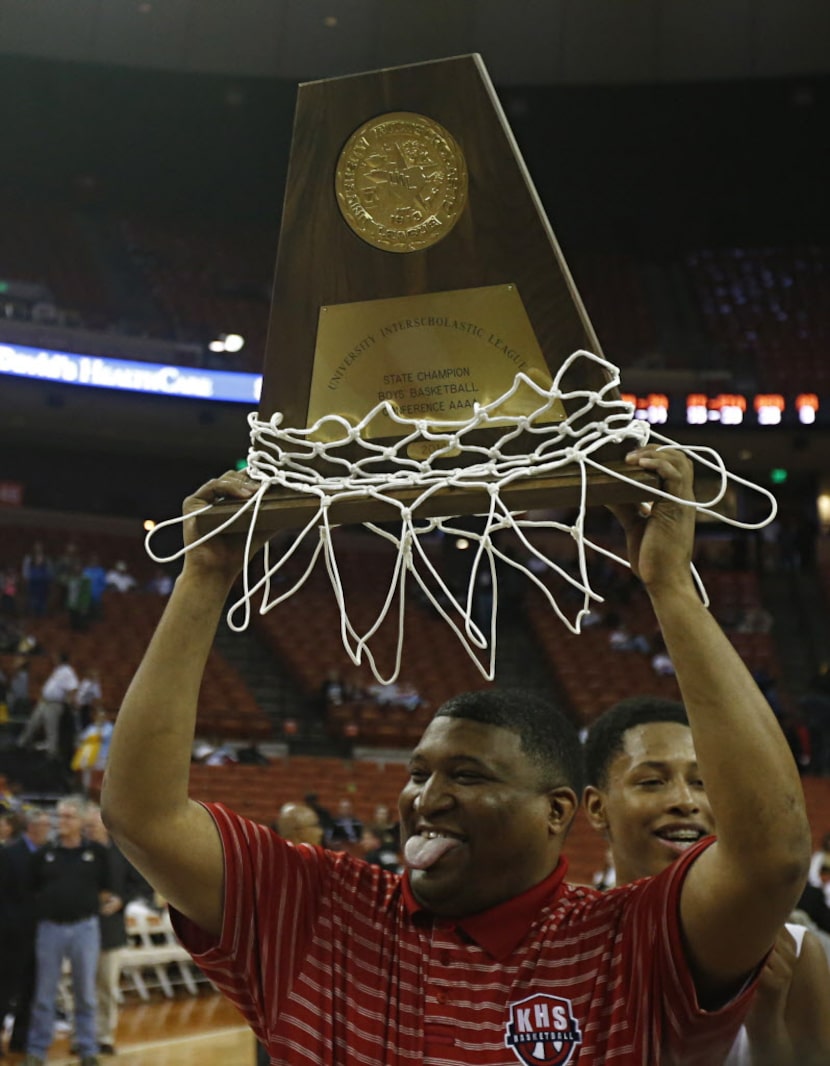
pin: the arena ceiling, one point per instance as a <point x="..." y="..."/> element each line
<point x="525" y="42"/>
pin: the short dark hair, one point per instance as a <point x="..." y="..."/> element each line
<point x="606" y="737"/>
<point x="547" y="735"/>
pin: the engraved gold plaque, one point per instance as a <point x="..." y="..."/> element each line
<point x="401" y="182"/>
<point x="432" y="356"/>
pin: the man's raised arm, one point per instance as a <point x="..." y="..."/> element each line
<point x="740" y="891"/>
<point x="145" y="804"/>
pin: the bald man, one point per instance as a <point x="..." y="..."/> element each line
<point x="299" y="824"/>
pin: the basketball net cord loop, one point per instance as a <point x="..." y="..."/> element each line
<point x="281" y="457"/>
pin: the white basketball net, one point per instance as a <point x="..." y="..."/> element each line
<point x="281" y="457"/>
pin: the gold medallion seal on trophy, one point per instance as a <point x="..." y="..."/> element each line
<point x="401" y="182"/>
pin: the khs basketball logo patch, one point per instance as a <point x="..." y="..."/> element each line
<point x="542" y="1031"/>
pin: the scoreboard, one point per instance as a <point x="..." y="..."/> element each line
<point x="750" y="410"/>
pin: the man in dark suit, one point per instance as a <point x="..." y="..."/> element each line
<point x="126" y="884"/>
<point x="17" y="923"/>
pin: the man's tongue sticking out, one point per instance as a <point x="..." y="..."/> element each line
<point x="421" y="852"/>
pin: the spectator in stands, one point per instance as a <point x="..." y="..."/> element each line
<point x="620" y="637"/>
<point x="592" y="617"/>
<point x="311" y="799"/>
<point x="89" y="697"/>
<point x="819" y="874"/>
<point x="97" y="584"/>
<point x="222" y="754"/>
<point x="382" y="819"/>
<point x="18" y="691"/>
<point x="354" y="687"/>
<point x="814" y="900"/>
<point x="200" y="751"/>
<point x="79" y="597"/>
<point x="17" y="924"/>
<point x="331" y="691"/>
<point x="396" y="694"/>
<point x="490" y="795"/>
<point x="14" y="641"/>
<point x="120" y="578"/>
<point x="250" y="754"/>
<point x="65" y="566"/>
<point x="126" y="884"/>
<point x="56" y="697"/>
<point x="380" y="849"/>
<point x="388" y="828"/>
<point x="71" y="886"/>
<point x="11" y="795"/>
<point x="770" y="535"/>
<point x="161" y="583"/>
<point x="9" y="636"/>
<point x="646" y="796"/>
<point x="815" y="707"/>
<point x="755" y="619"/>
<point x="299" y="824"/>
<point x="93" y="748"/>
<point x="7" y="826"/>
<point x="482" y="611"/>
<point x="46" y="313"/>
<point x="661" y="662"/>
<point x="37" y="574"/>
<point x="767" y="684"/>
<point x="347" y="828"/>
<point x="606" y="878"/>
<point x="9" y="589"/>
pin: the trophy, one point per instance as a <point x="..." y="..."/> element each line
<point x="418" y="282"/>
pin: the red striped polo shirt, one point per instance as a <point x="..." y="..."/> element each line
<point x="331" y="961"/>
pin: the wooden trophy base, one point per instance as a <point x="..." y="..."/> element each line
<point x="283" y="510"/>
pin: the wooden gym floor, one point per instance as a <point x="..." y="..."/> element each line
<point x="203" y="1030"/>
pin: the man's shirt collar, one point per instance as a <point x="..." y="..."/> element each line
<point x="499" y="930"/>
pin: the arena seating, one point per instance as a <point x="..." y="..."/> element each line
<point x="592" y="676"/>
<point x="305" y="633"/>
<point x="766" y="309"/>
<point x="612" y="291"/>
<point x="207" y="282"/>
<point x="61" y="258"/>
<point x="92" y="537"/>
<point x="198" y="283"/>
<point x="115" y="645"/>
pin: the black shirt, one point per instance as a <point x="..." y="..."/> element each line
<point x="66" y="881"/>
<point x="814" y="905"/>
<point x="127" y="883"/>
